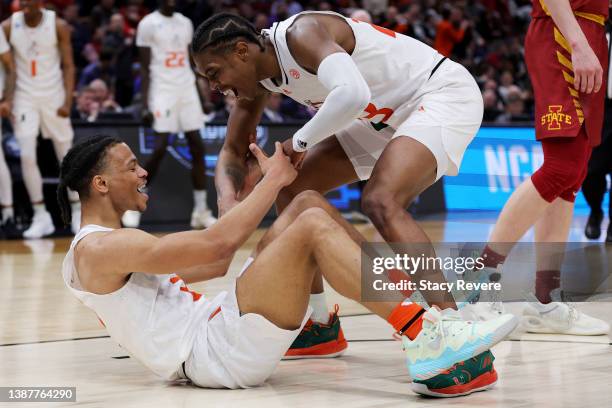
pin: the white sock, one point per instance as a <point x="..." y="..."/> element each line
<point x="7" y="213"/>
<point x="39" y="208"/>
<point x="320" y="313"/>
<point x="199" y="200"/>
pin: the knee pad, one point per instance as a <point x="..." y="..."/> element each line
<point x="563" y="169"/>
<point x="554" y="178"/>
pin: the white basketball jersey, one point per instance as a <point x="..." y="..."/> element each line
<point x="394" y="66"/>
<point x="169" y="39"/>
<point x="154" y="317"/>
<point x="37" y="57"/>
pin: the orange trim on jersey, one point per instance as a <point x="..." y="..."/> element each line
<point x="174" y="279"/>
<point x="213" y="314"/>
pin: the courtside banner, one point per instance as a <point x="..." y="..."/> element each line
<point x="454" y="270"/>
<point x="497" y="161"/>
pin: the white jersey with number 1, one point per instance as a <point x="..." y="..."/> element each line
<point x="37" y="57"/>
<point x="169" y="39"/>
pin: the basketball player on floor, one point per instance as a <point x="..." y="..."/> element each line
<point x="565" y="50"/>
<point x="390" y="109"/>
<point x="238" y="338"/>
<point x="43" y="98"/>
<point x="170" y="98"/>
<point x="7" y="83"/>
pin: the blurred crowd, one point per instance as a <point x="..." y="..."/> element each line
<point x="484" y="35"/>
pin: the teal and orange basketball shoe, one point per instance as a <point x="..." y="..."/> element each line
<point x="472" y="375"/>
<point x="446" y="340"/>
<point x="318" y="340"/>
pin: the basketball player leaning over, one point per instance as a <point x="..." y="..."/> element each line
<point x="239" y="337"/>
<point x="43" y="97"/>
<point x="390" y="109"/>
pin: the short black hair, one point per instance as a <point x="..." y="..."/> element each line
<point x="80" y="165"/>
<point x="222" y="30"/>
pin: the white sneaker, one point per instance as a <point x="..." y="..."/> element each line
<point x="42" y="225"/>
<point x="131" y="219"/>
<point x="482" y="311"/>
<point x="445" y="340"/>
<point x="481" y="305"/>
<point x="75" y="223"/>
<point x="201" y="219"/>
<point x="561" y="318"/>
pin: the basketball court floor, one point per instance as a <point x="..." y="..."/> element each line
<point x="47" y="338"/>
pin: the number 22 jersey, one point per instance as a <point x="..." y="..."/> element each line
<point x="169" y="39"/>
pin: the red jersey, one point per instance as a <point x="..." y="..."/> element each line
<point x="598" y="7"/>
<point x="561" y="110"/>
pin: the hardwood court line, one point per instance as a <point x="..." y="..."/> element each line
<point x="54" y="341"/>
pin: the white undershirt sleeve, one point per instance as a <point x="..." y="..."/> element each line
<point x="349" y="96"/>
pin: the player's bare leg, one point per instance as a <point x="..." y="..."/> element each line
<point x="161" y="144"/>
<point x="325" y="168"/>
<point x="522" y="210"/>
<point x="201" y="217"/>
<point x="404" y="170"/>
<point x="312" y="240"/>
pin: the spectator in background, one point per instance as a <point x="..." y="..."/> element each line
<point x="114" y="37"/>
<point x="361" y="15"/>
<point x="506" y="84"/>
<point x="514" y="110"/>
<point x="282" y="9"/>
<point x="102" y="12"/>
<point x="86" y="107"/>
<point x="223" y="114"/>
<point x="272" y="110"/>
<point x="394" y="21"/>
<point x="81" y="33"/>
<point x="261" y="22"/>
<point x="101" y="69"/>
<point x="375" y="7"/>
<point x="103" y="97"/>
<point x="491" y="106"/>
<point x="450" y="30"/>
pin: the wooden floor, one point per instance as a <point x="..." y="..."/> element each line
<point x="47" y="338"/>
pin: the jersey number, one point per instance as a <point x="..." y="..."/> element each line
<point x="371" y="111"/>
<point x="175" y="59"/>
<point x="33" y="67"/>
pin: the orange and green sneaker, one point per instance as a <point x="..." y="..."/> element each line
<point x="318" y="340"/>
<point x="464" y="378"/>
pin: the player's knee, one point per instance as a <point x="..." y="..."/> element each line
<point x="554" y="178"/>
<point x="314" y="220"/>
<point x="308" y="199"/>
<point x="377" y="204"/>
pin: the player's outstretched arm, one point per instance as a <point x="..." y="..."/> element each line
<point x="588" y="73"/>
<point x="232" y="168"/>
<point x="127" y="250"/>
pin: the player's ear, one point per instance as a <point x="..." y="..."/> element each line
<point x="99" y="183"/>
<point x="241" y="48"/>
